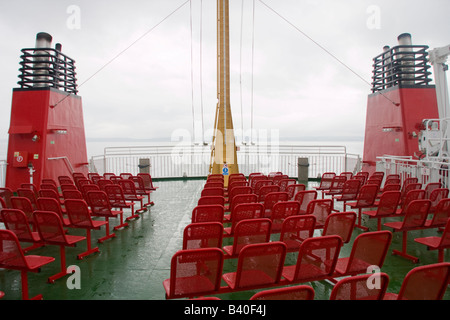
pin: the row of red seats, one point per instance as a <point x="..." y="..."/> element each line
<point x="43" y="217"/>
<point x="196" y="229"/>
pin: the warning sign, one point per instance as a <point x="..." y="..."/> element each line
<point x="225" y="169"/>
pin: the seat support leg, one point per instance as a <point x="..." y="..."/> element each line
<point x="403" y="252"/>
<point x="63" y="272"/>
<point x="89" y="250"/>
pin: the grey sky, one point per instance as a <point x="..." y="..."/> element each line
<point x="146" y="93"/>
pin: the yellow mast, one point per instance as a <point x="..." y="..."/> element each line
<point x="223" y="153"/>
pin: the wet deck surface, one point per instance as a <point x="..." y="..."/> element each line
<point x="133" y="265"/>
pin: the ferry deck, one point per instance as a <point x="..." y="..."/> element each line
<point x="133" y="265"/>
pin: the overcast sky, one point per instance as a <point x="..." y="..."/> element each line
<point x="299" y="90"/>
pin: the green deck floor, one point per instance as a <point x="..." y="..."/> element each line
<point x="133" y="265"/>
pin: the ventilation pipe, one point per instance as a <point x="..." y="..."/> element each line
<point x="43" y="40"/>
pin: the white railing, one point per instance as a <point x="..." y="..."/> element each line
<point x="193" y="160"/>
<point x="426" y="171"/>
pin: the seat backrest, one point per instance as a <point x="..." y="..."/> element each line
<point x="415" y="194"/>
<point x="243" y="198"/>
<point x="427" y="282"/>
<point x="49" y="226"/>
<point x="301" y="292"/>
<point x="250" y="231"/>
<point x="98" y="201"/>
<point x="212" y="192"/>
<point x="125" y="175"/>
<point x="430" y="187"/>
<point x="285" y="182"/>
<point x="317" y="258"/>
<point x="337" y="184"/>
<point x="260" y="264"/>
<point x="208" y="200"/>
<point x="361" y="287"/>
<point x="350" y="189"/>
<point x="203" y="235"/>
<point x="208" y="213"/>
<point x="246" y="211"/>
<point x="236" y="190"/>
<point x="296" y="229"/>
<point x="326" y="180"/>
<point x="65" y="180"/>
<point x="410" y="186"/>
<point x="437" y="195"/>
<point x="11" y="253"/>
<point x="115" y="194"/>
<point x="16" y="221"/>
<point x="102" y="183"/>
<point x="416" y="214"/>
<point x="6" y="194"/>
<point x="128" y="186"/>
<point x="441" y="213"/>
<point x="72" y="194"/>
<point x="50" y="204"/>
<point x="261" y="183"/>
<point x="264" y="190"/>
<point x="28" y="193"/>
<point x="195" y="272"/>
<point x="305" y="197"/>
<point x="48" y="193"/>
<point x="341" y="224"/>
<point x="321" y="209"/>
<point x="148" y="182"/>
<point x="23" y="204"/>
<point x="283" y="209"/>
<point x="78" y="212"/>
<point x="368" y="249"/>
<point x="88" y="187"/>
<point x="389" y="202"/>
<point x="445" y="236"/>
<point x="293" y="188"/>
<point x="213" y="184"/>
<point x="68" y="186"/>
<point x="271" y="198"/>
<point x="367" y="195"/>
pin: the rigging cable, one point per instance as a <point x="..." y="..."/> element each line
<point x="192" y="72"/>
<point x="240" y="69"/>
<point x="201" y="68"/>
<point x="253" y="64"/>
<point x="324" y="49"/>
<point x="126" y="49"/>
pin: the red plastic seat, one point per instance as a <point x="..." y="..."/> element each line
<point x="302" y="292"/>
<point x="437" y="243"/>
<point x="368" y="249"/>
<point x="117" y="200"/>
<point x="194" y="273"/>
<point x="259" y="265"/>
<point x="357" y="288"/>
<point x="304" y="198"/>
<point x="427" y="282"/>
<point x="293" y="188"/>
<point x="29" y="194"/>
<point x="12" y="257"/>
<point x="264" y="190"/>
<point x="209" y="200"/>
<point x="321" y="209"/>
<point x="65" y="180"/>
<point x="350" y="192"/>
<point x="316" y="260"/>
<point x="125" y="175"/>
<point x="211" y="192"/>
<point x="148" y="182"/>
<point x="129" y="191"/>
<point x="88" y="187"/>
<point x="72" y="194"/>
<point x="387" y="207"/>
<point x="365" y="199"/>
<point x="208" y="213"/>
<point x="247" y="232"/>
<point x="23" y="204"/>
<point x="326" y="181"/>
<point x="80" y="217"/>
<point x="235" y="191"/>
<point x="415" y="194"/>
<point x="30" y="186"/>
<point x="203" y="235"/>
<point x="53" y="205"/>
<point x="341" y="224"/>
<point x="16" y="221"/>
<point x="295" y="230"/>
<point x="244" y="211"/>
<point x="284" y="183"/>
<point x="440" y="216"/>
<point x="437" y="195"/>
<point x="282" y="210"/>
<point x="141" y="190"/>
<point x="408" y="186"/>
<point x="415" y="216"/>
<point x="271" y="199"/>
<point x="430" y="187"/>
<point x="51" y="231"/>
<point x="51" y="193"/>
<point x="240" y="199"/>
<point x="336" y="187"/>
<point x="99" y="203"/>
<point x="213" y="184"/>
<point x="6" y="194"/>
<point x="102" y="183"/>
